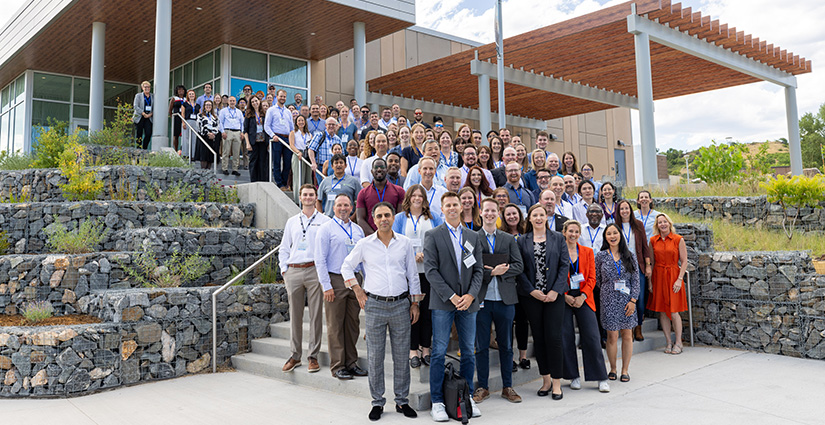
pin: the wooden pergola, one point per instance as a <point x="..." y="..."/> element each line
<point x="623" y="56"/>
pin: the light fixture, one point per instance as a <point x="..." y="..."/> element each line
<point x="621" y="143"/>
<point x="198" y="8"/>
<point x="145" y="41"/>
<point x="552" y="136"/>
<point x="312" y="33"/>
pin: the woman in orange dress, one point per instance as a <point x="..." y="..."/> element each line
<point x="669" y="267"/>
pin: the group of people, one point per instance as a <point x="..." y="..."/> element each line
<point x="442" y="233"/>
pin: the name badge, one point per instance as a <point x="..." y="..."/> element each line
<point x="523" y="210"/>
<point x="621" y="286"/>
<point x="350" y="247"/>
<point x="193" y="117"/>
<point x="469" y="261"/>
<point x="417" y="246"/>
<point x="147" y="108"/>
<point x="576" y="280"/>
<point x="469" y="246"/>
<point x="302" y="245"/>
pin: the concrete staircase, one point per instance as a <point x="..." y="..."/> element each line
<point x="268" y="356"/>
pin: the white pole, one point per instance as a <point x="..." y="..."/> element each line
<point x="644" y="84"/>
<point x="163" y="43"/>
<point x="484" y="103"/>
<point x="500" y="58"/>
<point x="359" y="56"/>
<point x="96" y="77"/>
<point x="794" y="143"/>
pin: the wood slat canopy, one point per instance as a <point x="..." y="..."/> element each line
<point x="595" y="49"/>
<point x="64" y="46"/>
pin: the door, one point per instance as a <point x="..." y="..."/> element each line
<point x="621" y="167"/>
<point x="80" y="125"/>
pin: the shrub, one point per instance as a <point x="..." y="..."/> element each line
<point x="177" y="269"/>
<point x="179" y="219"/>
<point x="116" y="132"/>
<point x="83" y="183"/>
<point x="269" y="270"/>
<point x="163" y="159"/>
<point x="24" y="196"/>
<point x="51" y="143"/>
<point x="794" y="193"/>
<point x="718" y="163"/>
<point x="219" y="194"/>
<point x="5" y="244"/>
<point x="85" y="238"/>
<point x="15" y="161"/>
<point x="179" y="192"/>
<point x="37" y="311"/>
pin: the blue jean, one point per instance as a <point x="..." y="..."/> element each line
<point x="465" y="323"/>
<point x="280" y="174"/>
<point x="502" y="315"/>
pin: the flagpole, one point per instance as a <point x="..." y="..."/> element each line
<point x="500" y="60"/>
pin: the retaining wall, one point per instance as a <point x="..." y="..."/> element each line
<point x="756" y="211"/>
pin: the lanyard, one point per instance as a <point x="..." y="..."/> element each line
<point x="478" y="199"/>
<point x="349" y="234"/>
<point x="553" y="223"/>
<point x="147" y="100"/>
<point x="592" y="236"/>
<point x="460" y="236"/>
<point x="644" y="222"/>
<point x="518" y="193"/>
<point x="415" y="223"/>
<point x="380" y="195"/>
<point x="627" y="234"/>
<point x="492" y="244"/>
<point x="336" y="184"/>
<point x="608" y="211"/>
<point x="432" y="196"/>
<point x="574" y="265"/>
<point x="352" y="165"/>
<point x="618" y="265"/>
<point x="396" y="180"/>
<point x="232" y="113"/>
<point x="304" y="229"/>
<point x="471" y="226"/>
<point x="257" y="118"/>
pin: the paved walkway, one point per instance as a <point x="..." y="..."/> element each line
<point x="701" y="386"/>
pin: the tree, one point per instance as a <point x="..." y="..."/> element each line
<point x="794" y="193"/>
<point x="718" y="163"/>
<point x="675" y="161"/>
<point x="812" y="136"/>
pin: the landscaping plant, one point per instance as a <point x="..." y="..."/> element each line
<point x="37" y="311"/>
<point x="15" y="161"/>
<point x="718" y="163"/>
<point x="85" y="238"/>
<point x="171" y="273"/>
<point x="793" y="194"/>
<point x="83" y="183"/>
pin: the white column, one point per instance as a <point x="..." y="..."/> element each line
<point x="484" y="104"/>
<point x="644" y="84"/>
<point x="163" y="44"/>
<point x="794" y="143"/>
<point x="226" y="69"/>
<point x="502" y="116"/>
<point x="359" y="56"/>
<point x="96" y="77"/>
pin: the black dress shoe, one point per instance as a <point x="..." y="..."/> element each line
<point x="558" y="396"/>
<point x="342" y="374"/>
<point x="375" y="413"/>
<point x="544" y="393"/>
<point x="225" y="172"/>
<point x="515" y="366"/>
<point x="406" y="410"/>
<point x="235" y="173"/>
<point x="524" y="363"/>
<point x="426" y="360"/>
<point x="415" y="362"/>
<point x="357" y="371"/>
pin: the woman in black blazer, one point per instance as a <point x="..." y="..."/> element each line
<point x="541" y="291"/>
<point x="256" y="141"/>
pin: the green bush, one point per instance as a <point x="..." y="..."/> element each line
<point x="177" y="269"/>
<point x="163" y="159"/>
<point x="85" y="238"/>
<point x="269" y="270"/>
<point x="5" y="244"/>
<point x="15" y="161"/>
<point x="718" y="163"/>
<point x="219" y="194"/>
<point x="116" y="132"/>
<point x="179" y="219"/>
<point x="794" y="193"/>
<point x="178" y="192"/>
<point x="51" y="143"/>
<point x="83" y="183"/>
<point x="37" y="311"/>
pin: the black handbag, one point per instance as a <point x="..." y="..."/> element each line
<point x="456" y="395"/>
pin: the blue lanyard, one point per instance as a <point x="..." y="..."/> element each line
<point x="352" y="166"/>
<point x="608" y="212"/>
<point x="349" y="234"/>
<point x="232" y="113"/>
<point x="445" y="159"/>
<point x="644" y="222"/>
<point x="415" y="223"/>
<point x="492" y="244"/>
<point x="518" y="193"/>
<point x="432" y="196"/>
<point x="553" y="223"/>
<point x="574" y="266"/>
<point x="380" y="195"/>
<point x="257" y="118"/>
<point x="627" y="235"/>
<point x="460" y="237"/>
<point x="339" y="182"/>
<point x="471" y="226"/>
<point x="592" y="237"/>
<point x="618" y="265"/>
<point x="396" y="181"/>
<point x="147" y="100"/>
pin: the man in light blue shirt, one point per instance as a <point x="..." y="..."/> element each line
<point x="278" y="124"/>
<point x="333" y="242"/>
<point x="320" y="147"/>
<point x="315" y="123"/>
<point x="414" y="176"/>
<point x="207" y="95"/>
<point x="230" y="124"/>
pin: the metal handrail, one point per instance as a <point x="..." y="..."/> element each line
<point x="690" y="306"/>
<point x="295" y="196"/>
<point x="214" y="154"/>
<point x="215" y="303"/>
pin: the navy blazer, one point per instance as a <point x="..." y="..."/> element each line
<point x="441" y="268"/>
<point x="250" y="127"/>
<point x="557" y="262"/>
<point x="505" y="244"/>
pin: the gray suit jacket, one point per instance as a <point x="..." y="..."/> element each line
<point x="139" y="104"/>
<point x="505" y="244"/>
<point x="441" y="268"/>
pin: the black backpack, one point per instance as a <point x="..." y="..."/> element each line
<point x="456" y="395"/>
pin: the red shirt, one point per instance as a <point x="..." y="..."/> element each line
<point x="369" y="196"/>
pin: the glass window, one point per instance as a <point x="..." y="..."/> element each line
<point x="216" y="87"/>
<point x="287" y="71"/>
<point x="52" y="87"/>
<point x="237" y="87"/>
<point x="4" y="132"/>
<point x="6" y="97"/>
<point x="81" y="90"/>
<point x="42" y="111"/>
<point x="177" y="76"/>
<point x="115" y="94"/>
<point x="246" y="64"/>
<point x="19" y="128"/>
<point x="108" y="115"/>
<point x="187" y="75"/>
<point x="217" y="63"/>
<point x="80" y="111"/>
<point x="20" y="89"/>
<point x="203" y="69"/>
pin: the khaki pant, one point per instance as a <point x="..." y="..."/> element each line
<point x="299" y="283"/>
<point x="342" y="325"/>
<point x="231" y="146"/>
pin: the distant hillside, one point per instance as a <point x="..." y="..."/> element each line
<point x="777" y="152"/>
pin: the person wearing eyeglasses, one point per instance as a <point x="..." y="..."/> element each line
<point x="418" y="118"/>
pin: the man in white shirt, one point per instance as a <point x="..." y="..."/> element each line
<point x="382" y="145"/>
<point x="470" y="158"/>
<point x="427" y="168"/>
<point x="389" y="297"/>
<point x="563" y="208"/>
<point x="297" y="262"/>
<point x="386" y="119"/>
<point x="230" y="124"/>
<point x="413" y="174"/>
<point x="278" y="124"/>
<point x="334" y="241"/>
<point x="593" y="232"/>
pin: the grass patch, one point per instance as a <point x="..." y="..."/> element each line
<point x="729" y="236"/>
<point x="178" y="192"/>
<point x="717" y="189"/>
<point x="163" y="159"/>
<point x="171" y="273"/>
<point x="179" y="219"/>
<point x="15" y="161"/>
<point x="81" y="240"/>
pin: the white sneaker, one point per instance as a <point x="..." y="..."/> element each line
<point x="604" y="386"/>
<point x="439" y="412"/>
<point x="576" y="384"/>
<point x="476" y="411"/>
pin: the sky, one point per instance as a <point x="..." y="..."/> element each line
<point x="753" y="112"/>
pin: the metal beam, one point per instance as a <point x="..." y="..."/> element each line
<point x="647" y="128"/>
<point x="96" y="77"/>
<point x="484" y="122"/>
<point x="163" y="43"/>
<point x="450" y="110"/>
<point x="794" y="144"/>
<point x="360" y="61"/>
<point x="555" y="85"/>
<point x="683" y="42"/>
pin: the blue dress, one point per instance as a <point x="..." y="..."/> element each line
<point x="613" y="302"/>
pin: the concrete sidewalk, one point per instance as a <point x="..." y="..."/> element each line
<point x="702" y="386"/>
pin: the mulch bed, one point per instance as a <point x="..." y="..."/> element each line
<point x="74" y="319"/>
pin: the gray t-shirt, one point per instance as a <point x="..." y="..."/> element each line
<point x="331" y="186"/>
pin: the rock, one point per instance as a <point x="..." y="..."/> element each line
<point x="132" y="314"/>
<point x="56" y="278"/>
<point x="82" y="344"/>
<point x="130" y="371"/>
<point x="37" y="357"/>
<point x="168" y="350"/>
<point x="68" y="358"/>
<point x="20" y="246"/>
<point x="199" y="364"/>
<point x="98" y="373"/>
<point x="148" y="333"/>
<point x="5" y="362"/>
<point x="22" y="362"/>
<point x="79" y="381"/>
<point x="66" y="335"/>
<point x="69" y="297"/>
<point x="11" y="378"/>
<point x="156" y="311"/>
<point x="40" y="379"/>
<point x="61" y="263"/>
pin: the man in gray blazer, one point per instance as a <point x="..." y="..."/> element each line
<point x="453" y="265"/>
<point x="499" y="295"/>
<point x="142" y="116"/>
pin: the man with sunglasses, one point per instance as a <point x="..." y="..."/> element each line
<point x="418" y="118"/>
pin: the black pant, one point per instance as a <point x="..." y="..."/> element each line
<point x="592" y="355"/>
<point x="144" y="129"/>
<point x="421" y="332"/>
<point x="258" y="162"/>
<point x="522" y="330"/>
<point x="546" y="323"/>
